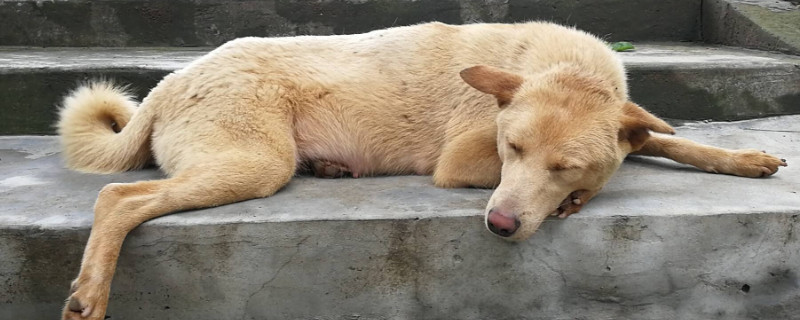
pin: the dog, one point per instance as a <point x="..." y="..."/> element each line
<point x="536" y="110"/>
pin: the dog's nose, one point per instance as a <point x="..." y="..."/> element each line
<point x="501" y="223"/>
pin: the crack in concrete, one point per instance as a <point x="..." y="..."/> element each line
<point x="768" y="130"/>
<point x="791" y="230"/>
<point x="274" y="276"/>
<point x="549" y="267"/>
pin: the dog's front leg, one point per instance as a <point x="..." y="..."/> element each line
<point x="746" y="163"/>
<point x="574" y="203"/>
<point x="469" y="160"/>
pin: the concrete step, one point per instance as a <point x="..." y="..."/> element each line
<point x="213" y="22"/>
<point x="772" y="25"/>
<point x="661" y="241"/>
<point x="674" y="80"/>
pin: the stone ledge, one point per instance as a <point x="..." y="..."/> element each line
<point x="662" y="241"/>
<point x="758" y="24"/>
<point x="680" y="81"/>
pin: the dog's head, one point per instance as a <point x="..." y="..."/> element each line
<point x="561" y="135"/>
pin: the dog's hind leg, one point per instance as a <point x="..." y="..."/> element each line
<point x="227" y="177"/>
<point x="745" y="163"/>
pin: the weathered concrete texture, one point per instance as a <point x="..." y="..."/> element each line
<point x="615" y="20"/>
<point x="662" y="241"/>
<point x="212" y="22"/>
<point x="679" y="81"/>
<point x="718" y="83"/>
<point x="759" y="24"/>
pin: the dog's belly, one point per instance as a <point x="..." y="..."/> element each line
<point x="326" y="143"/>
<point x="357" y="150"/>
<point x="344" y="162"/>
<point x="320" y="155"/>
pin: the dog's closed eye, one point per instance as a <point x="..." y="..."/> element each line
<point x="515" y="147"/>
<point x="561" y="167"/>
<point x="563" y="164"/>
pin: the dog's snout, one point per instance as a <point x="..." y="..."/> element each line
<point x="502" y="223"/>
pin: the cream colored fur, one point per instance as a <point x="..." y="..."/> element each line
<point x="237" y="124"/>
<point x="86" y="126"/>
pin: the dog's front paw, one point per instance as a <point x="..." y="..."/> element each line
<point x="751" y="163"/>
<point x="573" y="203"/>
<point x="87" y="301"/>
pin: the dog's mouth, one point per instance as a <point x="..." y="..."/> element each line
<point x="571" y="204"/>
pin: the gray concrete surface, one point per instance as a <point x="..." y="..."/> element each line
<point x="662" y="241"/>
<point x="680" y="81"/>
<point x="212" y="22"/>
<point x="760" y="24"/>
<point x="773" y="5"/>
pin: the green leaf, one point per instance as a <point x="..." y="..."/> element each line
<point x="622" y="46"/>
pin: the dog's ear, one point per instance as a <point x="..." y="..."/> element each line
<point x="493" y="81"/>
<point x="636" y="124"/>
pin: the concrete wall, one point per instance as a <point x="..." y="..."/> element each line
<point x="684" y="267"/>
<point x="212" y="22"/>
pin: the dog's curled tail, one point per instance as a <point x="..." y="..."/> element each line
<point x="102" y="131"/>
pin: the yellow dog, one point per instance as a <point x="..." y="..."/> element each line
<point x="549" y="123"/>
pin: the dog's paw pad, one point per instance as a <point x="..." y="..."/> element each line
<point x="76" y="306"/>
<point x="572" y="204"/>
<point x="86" y="301"/>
